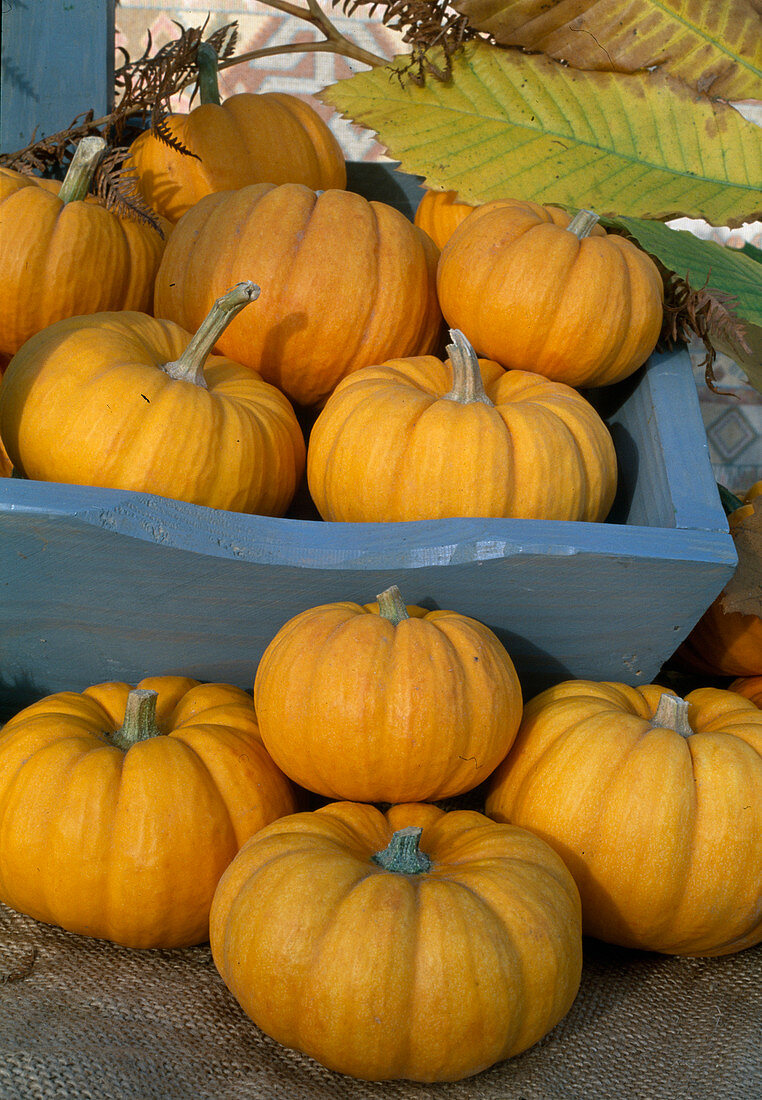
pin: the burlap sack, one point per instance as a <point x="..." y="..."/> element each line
<point x="84" y="1020"/>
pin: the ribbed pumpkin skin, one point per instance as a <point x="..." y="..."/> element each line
<point x="351" y="706"/>
<point x="269" y="137"/>
<point x="439" y="214"/>
<point x="129" y="846"/>
<point x="345" y="282"/>
<point x="86" y="402"/>
<point x="389" y="447"/>
<point x="750" y="687"/>
<point x="532" y="296"/>
<point x="663" y="833"/>
<point x="65" y="259"/>
<point x="381" y="975"/>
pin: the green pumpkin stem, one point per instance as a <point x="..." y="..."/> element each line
<point x="208" y="85"/>
<point x="80" y="172"/>
<point x="402" y="854"/>
<point x="467" y="382"/>
<point x="672" y="714"/>
<point x="190" y="366"/>
<point x="139" y="720"/>
<point x="583" y="223"/>
<point x="391" y="606"/>
<point x="730" y="502"/>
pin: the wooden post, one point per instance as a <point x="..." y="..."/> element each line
<point x="57" y="61"/>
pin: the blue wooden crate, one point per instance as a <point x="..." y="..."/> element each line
<point x="103" y="584"/>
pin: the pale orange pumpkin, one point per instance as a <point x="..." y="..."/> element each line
<point x="120" y="808"/>
<point x="535" y="290"/>
<point x="439" y="214"/>
<point x="268" y="137"/>
<point x="655" y="805"/>
<point x="63" y="254"/>
<point x="345" y="282"/>
<point x="375" y="704"/>
<point x="417" y="944"/>
<point x="127" y="401"/>
<point x="416" y="439"/>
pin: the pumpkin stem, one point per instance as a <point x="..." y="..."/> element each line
<point x="467" y="382"/>
<point x="672" y="714"/>
<point x="391" y="606"/>
<point x="730" y="502"/>
<point x="583" y="223"/>
<point x="190" y="366"/>
<point x="80" y="172"/>
<point x="208" y="85"/>
<point x="139" y="719"/>
<point x="402" y="854"/>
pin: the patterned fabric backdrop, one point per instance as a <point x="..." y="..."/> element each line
<point x="733" y="419"/>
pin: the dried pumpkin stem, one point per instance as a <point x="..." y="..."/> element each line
<point x="583" y="223"/>
<point x="139" y="719"/>
<point x="672" y="714"/>
<point x="391" y="606"/>
<point x="467" y="381"/>
<point x="190" y="366"/>
<point x="402" y="854"/>
<point x="80" y="172"/>
<point x="208" y="83"/>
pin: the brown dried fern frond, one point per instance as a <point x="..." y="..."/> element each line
<point x="116" y="187"/>
<point x="425" y="25"/>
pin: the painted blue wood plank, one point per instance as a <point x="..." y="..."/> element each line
<point x="57" y="61"/>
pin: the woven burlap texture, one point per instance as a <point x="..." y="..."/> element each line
<point x="82" y="1019"/>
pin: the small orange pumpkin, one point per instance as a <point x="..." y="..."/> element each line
<point x="63" y="254"/>
<point x="269" y="137"/>
<point x="439" y="214"/>
<point x="386" y="706"/>
<point x="417" y="944"/>
<point x="345" y="282"/>
<point x="535" y="290"/>
<point x="750" y="687"/>
<point x="120" y="808"/>
<point x="127" y="401"/>
<point x="655" y="805"/>
<point x="417" y="439"/>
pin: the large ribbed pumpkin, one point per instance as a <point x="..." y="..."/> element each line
<point x="126" y="401"/>
<point x="439" y="214"/>
<point x="120" y="808"/>
<point x="535" y="290"/>
<point x="375" y="704"/>
<point x="416" y="944"/>
<point x="268" y="137"/>
<point x="655" y="805"/>
<point x="345" y="282"/>
<point x="417" y="439"/>
<point x="63" y="254"/>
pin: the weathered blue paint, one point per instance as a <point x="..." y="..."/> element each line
<point x="57" y="61"/>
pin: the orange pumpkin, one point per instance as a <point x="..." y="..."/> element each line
<point x="269" y="137"/>
<point x="126" y="401"/>
<point x="346" y="282"/>
<point x="385" y="706"/>
<point x="439" y="214"/>
<point x="417" y="439"/>
<point x="750" y="687"/>
<point x="63" y="254"/>
<point x="343" y="938"/>
<point x="726" y="643"/>
<point x="655" y="805"/>
<point x="535" y="290"/>
<point x="120" y="808"/>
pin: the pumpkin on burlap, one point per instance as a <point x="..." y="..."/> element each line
<point x="63" y="253"/>
<point x="264" y="137"/>
<point x="536" y="290"/>
<point x="121" y="807"/>
<point x="127" y="401"/>
<point x="384" y="704"/>
<point x="655" y="805"/>
<point x="345" y="282"/>
<point x="415" y="944"/>
<point x="416" y="439"/>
